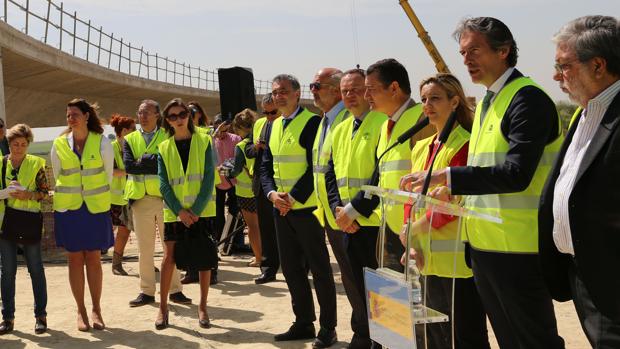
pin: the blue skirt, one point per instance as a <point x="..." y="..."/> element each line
<point x="80" y="230"/>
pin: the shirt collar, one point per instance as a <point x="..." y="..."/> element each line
<point x="401" y="110"/>
<point x="501" y="81"/>
<point x="333" y="112"/>
<point x="604" y="99"/>
<point x="149" y="133"/>
<point x="292" y="115"/>
<point x="361" y="117"/>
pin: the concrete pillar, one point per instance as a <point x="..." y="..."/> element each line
<point x="2" y="100"/>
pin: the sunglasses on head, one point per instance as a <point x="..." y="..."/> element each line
<point x="174" y="117"/>
<point x="273" y="112"/>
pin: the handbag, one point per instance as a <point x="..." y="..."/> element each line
<point x="23" y="227"/>
<point x="196" y="249"/>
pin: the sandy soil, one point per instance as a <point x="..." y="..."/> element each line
<point x="243" y="315"/>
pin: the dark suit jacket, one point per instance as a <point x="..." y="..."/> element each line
<point x="529" y="124"/>
<point x="254" y="153"/>
<point x="594" y="210"/>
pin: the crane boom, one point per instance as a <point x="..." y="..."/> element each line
<point x="440" y="64"/>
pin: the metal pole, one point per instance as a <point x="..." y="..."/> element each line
<point x="183" y="76"/>
<point x="27" y="13"/>
<point x="110" y="51"/>
<point x="140" y="61"/>
<point x="61" y="16"/>
<point x="5" y="10"/>
<point x="88" y="41"/>
<point x="148" y="66"/>
<point x="129" y="59"/>
<point x="174" y="73"/>
<point x="74" y="29"/>
<point x="120" y="55"/>
<point x="47" y="19"/>
<point x="166" y="71"/>
<point x="156" y="67"/>
<point x="189" y="69"/>
<point x="99" y="46"/>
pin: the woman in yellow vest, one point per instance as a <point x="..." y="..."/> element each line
<point x="83" y="164"/>
<point x="441" y="96"/>
<point x="121" y="215"/>
<point x="186" y="168"/>
<point x="26" y="172"/>
<point x="244" y="172"/>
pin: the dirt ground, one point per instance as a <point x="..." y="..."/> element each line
<point x="243" y="314"/>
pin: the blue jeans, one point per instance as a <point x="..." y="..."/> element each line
<point x="8" y="269"/>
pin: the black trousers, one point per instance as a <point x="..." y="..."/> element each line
<point x="393" y="250"/>
<point x="469" y="319"/>
<point x="353" y="252"/>
<point x="301" y="243"/>
<point x="224" y="198"/>
<point x="516" y="300"/>
<point x="601" y="331"/>
<point x="269" y="244"/>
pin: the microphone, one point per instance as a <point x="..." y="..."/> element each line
<point x="422" y="123"/>
<point x="443" y="137"/>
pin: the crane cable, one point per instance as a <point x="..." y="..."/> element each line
<point x="356" y="50"/>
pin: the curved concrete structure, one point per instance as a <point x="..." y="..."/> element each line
<point x="39" y="80"/>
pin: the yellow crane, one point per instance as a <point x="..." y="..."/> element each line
<point x="440" y="64"/>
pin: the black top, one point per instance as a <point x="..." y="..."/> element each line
<point x="183" y="148"/>
<point x="529" y="124"/>
<point x="146" y="164"/>
<point x="304" y="187"/>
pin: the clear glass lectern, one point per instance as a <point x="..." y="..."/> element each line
<point x="414" y="309"/>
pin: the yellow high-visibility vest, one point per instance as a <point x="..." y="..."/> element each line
<point x="31" y="165"/>
<point x="139" y="185"/>
<point x="396" y="163"/>
<point x="186" y="184"/>
<point x="353" y="159"/>
<point x="444" y="252"/>
<point x="117" y="188"/>
<point x="243" y="188"/>
<point x="289" y="157"/>
<point x="82" y="180"/>
<point x="319" y="167"/>
<point x="519" y="211"/>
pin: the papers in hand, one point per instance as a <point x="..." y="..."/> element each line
<point x="4" y="193"/>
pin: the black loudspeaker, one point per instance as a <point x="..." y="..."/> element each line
<point x="236" y="91"/>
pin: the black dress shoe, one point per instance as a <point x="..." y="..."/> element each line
<point x="296" y="332"/>
<point x="205" y="323"/>
<point x="142" y="299"/>
<point x="163" y="323"/>
<point x="264" y="278"/>
<point x="40" y="326"/>
<point x="358" y="342"/>
<point x="325" y="339"/>
<point x="213" y="280"/>
<point x="6" y="327"/>
<point x="180" y="298"/>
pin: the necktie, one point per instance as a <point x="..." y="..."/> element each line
<point x="391" y="124"/>
<point x="285" y="123"/>
<point x="486" y="102"/>
<point x="356" y="126"/>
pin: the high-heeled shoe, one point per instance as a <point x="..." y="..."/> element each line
<point x="82" y="322"/>
<point x="98" y="323"/>
<point x="162" y="323"/>
<point x="40" y="326"/>
<point x="204" y="322"/>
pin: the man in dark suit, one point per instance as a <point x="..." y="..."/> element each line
<point x="286" y="176"/>
<point x="271" y="262"/>
<point x="515" y="135"/>
<point x="579" y="218"/>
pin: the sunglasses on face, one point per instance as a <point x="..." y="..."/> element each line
<point x="273" y="112"/>
<point x="174" y="117"/>
<point x="317" y="85"/>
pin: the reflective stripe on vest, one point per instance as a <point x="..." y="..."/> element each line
<point x="396" y="163"/>
<point x="442" y="248"/>
<point x="186" y="184"/>
<point x="88" y="184"/>
<point x="319" y="168"/>
<point x="289" y="157"/>
<point x="27" y="178"/>
<point x="519" y="211"/>
<point x="243" y="188"/>
<point x="139" y="185"/>
<point x="117" y="188"/>
<point x="353" y="159"/>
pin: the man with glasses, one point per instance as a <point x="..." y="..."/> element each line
<point x="514" y="140"/>
<point x="579" y="216"/>
<point x="271" y="261"/>
<point x="142" y="190"/>
<point x="287" y="179"/>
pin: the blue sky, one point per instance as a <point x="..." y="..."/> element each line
<point x="298" y="37"/>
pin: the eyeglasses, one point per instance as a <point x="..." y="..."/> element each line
<point x="273" y="112"/>
<point x="561" y="67"/>
<point x="174" y="117"/>
<point x="317" y="85"/>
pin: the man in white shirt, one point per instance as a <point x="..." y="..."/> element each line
<point x="579" y="219"/>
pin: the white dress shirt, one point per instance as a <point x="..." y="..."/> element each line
<point x="589" y="121"/>
<point x="107" y="155"/>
